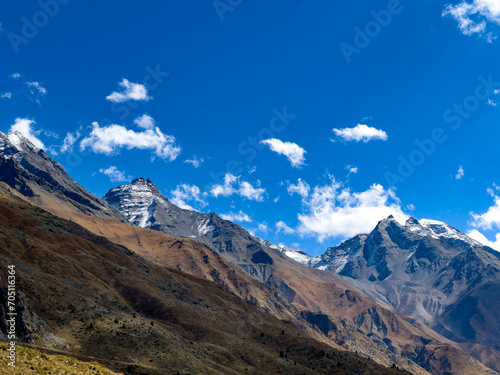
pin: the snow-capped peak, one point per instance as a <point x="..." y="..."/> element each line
<point x="437" y="229"/>
<point x="134" y="200"/>
<point x="14" y="143"/>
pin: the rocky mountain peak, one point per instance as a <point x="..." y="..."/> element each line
<point x="390" y="220"/>
<point x="14" y="143"/>
<point x="136" y="200"/>
<point x="412" y="221"/>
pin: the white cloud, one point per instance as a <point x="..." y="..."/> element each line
<point x="242" y="188"/>
<point x="194" y="161"/>
<point x="491" y="103"/>
<point x="277" y="199"/>
<point x="109" y="139"/>
<point x="240" y="217"/>
<point x="114" y="174"/>
<point x="478" y="236"/>
<point x="24" y="126"/>
<point x="491" y="191"/>
<point x="36" y="86"/>
<point x="293" y="152"/>
<point x="6" y="95"/>
<point x="301" y="188"/>
<point x="359" y="133"/>
<point x="410" y="207"/>
<point x="248" y="191"/>
<point x="130" y="91"/>
<point x="490" y="220"/>
<point x="282" y="227"/>
<point x="351" y="169"/>
<point x="460" y="173"/>
<point x="333" y="211"/>
<point x="184" y="193"/>
<point x="145" y="121"/>
<point x="15" y="75"/>
<point x="262" y="227"/>
<point x="252" y="170"/>
<point x="69" y="141"/>
<point x="472" y="17"/>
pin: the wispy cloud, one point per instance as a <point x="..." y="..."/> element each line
<point x="351" y="169"/>
<point x="472" y="17"/>
<point x="184" y="193"/>
<point x="36" y="87"/>
<point x="281" y="227"/>
<point x="293" y="152"/>
<point x="234" y="185"/>
<point x="301" y="188"/>
<point x="69" y="141"/>
<point x="240" y="217"/>
<point x="360" y="133"/>
<point x="115" y="175"/>
<point x="130" y="91"/>
<point x="195" y="161"/>
<point x="460" y="173"/>
<point x="6" y="95"/>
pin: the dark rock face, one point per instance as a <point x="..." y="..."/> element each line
<point x="427" y="270"/>
<point x="320" y="321"/>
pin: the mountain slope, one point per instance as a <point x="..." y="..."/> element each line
<point x="35" y="175"/>
<point x="81" y="294"/>
<point x="430" y="271"/>
<point x="33" y="361"/>
<point x="143" y="205"/>
<point x="325" y="300"/>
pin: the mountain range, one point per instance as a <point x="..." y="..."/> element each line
<point x="420" y="296"/>
<point x="431" y="271"/>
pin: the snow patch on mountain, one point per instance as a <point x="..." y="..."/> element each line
<point x="291" y="252"/>
<point x="203" y="227"/>
<point x="14" y="143"/>
<point x="438" y="229"/>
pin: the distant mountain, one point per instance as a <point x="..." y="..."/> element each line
<point x="430" y="271"/>
<point x="35" y="175"/>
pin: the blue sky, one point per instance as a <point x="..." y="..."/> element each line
<point x="306" y="121"/>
